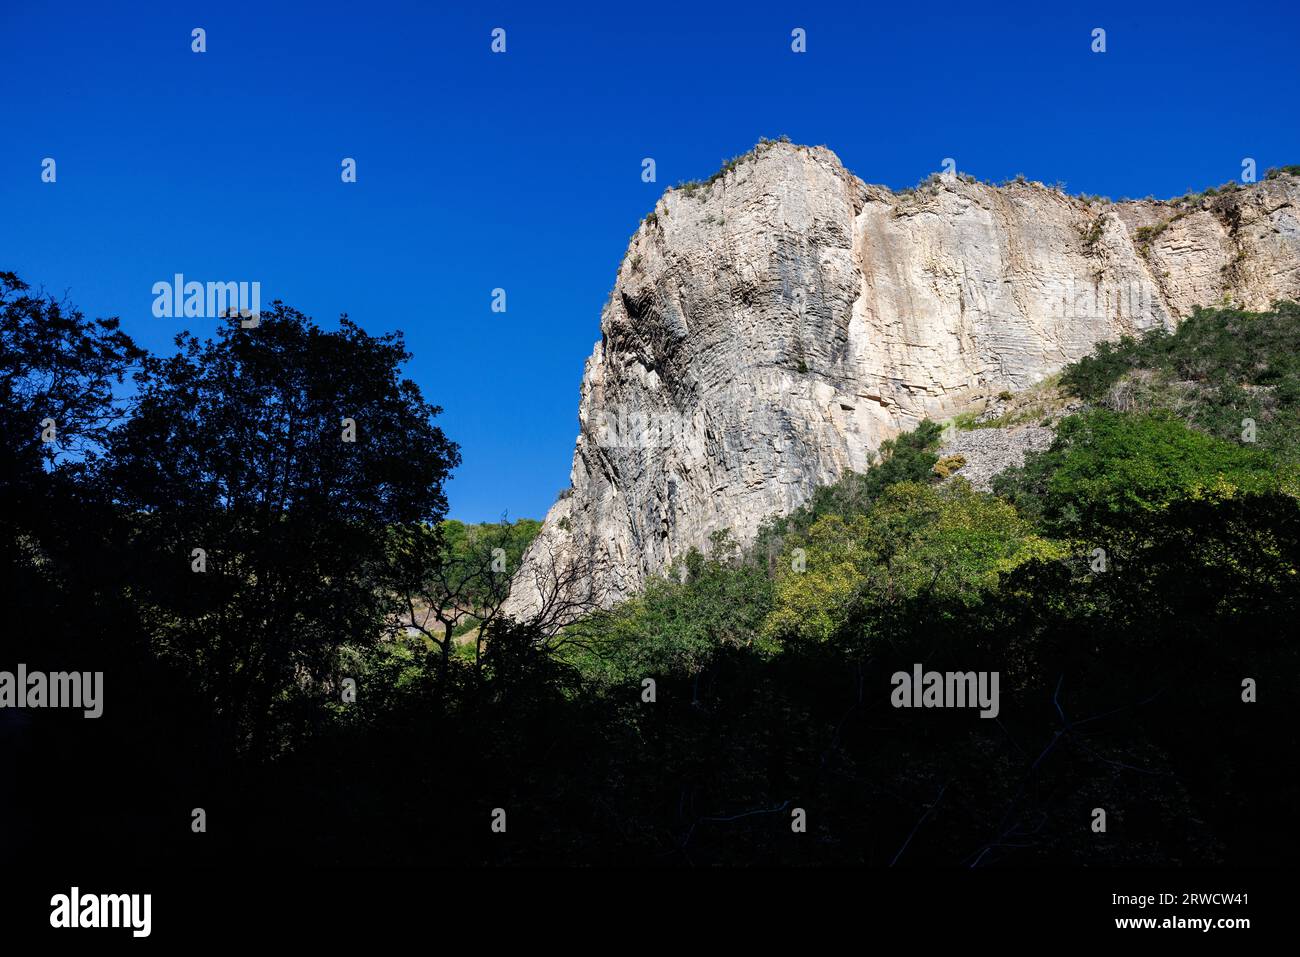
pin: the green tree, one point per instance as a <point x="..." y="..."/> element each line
<point x="453" y="578"/>
<point x="947" y="543"/>
<point x="680" y="620"/>
<point x="1104" y="464"/>
<point x="909" y="457"/>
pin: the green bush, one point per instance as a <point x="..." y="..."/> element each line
<point x="1219" y="368"/>
<point x="680" y="620"/>
<point x="909" y="457"/>
<point x="1105" y="464"/>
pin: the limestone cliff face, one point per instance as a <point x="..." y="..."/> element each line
<point x="767" y="331"/>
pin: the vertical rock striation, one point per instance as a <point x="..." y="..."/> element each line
<point x="769" y="329"/>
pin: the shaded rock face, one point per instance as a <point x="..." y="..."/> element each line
<point x="767" y="331"/>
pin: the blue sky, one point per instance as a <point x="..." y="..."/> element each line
<point x="522" y="170"/>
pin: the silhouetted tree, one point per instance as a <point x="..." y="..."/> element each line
<point x="286" y="454"/>
<point x="55" y="365"/>
<point x="59" y="373"/>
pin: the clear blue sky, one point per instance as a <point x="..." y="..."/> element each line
<point x="522" y="170"/>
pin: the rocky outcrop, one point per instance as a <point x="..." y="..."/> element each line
<point x="768" y="329"/>
<point x="987" y="453"/>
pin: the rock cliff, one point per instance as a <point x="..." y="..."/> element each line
<point x="768" y="329"/>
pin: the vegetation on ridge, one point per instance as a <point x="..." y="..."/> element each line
<point x="693" y="186"/>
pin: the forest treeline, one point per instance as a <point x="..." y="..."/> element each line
<point x="295" y="639"/>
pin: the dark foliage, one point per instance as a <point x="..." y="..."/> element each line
<point x="1121" y="689"/>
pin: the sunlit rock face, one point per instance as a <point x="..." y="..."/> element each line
<point x="769" y="329"/>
